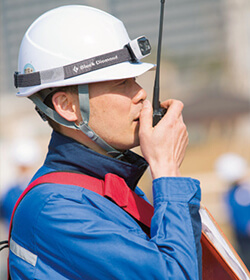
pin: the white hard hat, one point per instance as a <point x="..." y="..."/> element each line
<point x="65" y="40"/>
<point x="25" y="152"/>
<point x="231" y="167"/>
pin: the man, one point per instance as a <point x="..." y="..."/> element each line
<point x="232" y="169"/>
<point x="83" y="82"/>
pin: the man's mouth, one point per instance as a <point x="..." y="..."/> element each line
<point x="136" y="119"/>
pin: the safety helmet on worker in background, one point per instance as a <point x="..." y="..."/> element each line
<point x="77" y="45"/>
<point x="231" y="167"/>
<point x="25" y="152"/>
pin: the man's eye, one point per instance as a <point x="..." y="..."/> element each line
<point x="123" y="82"/>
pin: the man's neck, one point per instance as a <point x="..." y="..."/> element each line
<point x="81" y="138"/>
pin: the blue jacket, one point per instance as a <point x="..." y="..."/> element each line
<point x="67" y="232"/>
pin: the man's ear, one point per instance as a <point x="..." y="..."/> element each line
<point x="66" y="105"/>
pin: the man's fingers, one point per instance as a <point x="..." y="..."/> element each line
<point x="174" y="107"/>
<point x="146" y="118"/>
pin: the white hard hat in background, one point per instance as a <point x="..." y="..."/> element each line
<point x="25" y="152"/>
<point x="231" y="167"/>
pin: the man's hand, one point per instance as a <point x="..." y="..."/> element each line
<point x="164" y="145"/>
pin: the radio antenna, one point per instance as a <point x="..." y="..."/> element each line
<point x="158" y="112"/>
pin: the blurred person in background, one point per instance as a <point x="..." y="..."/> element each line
<point x="25" y="155"/>
<point x="232" y="169"/>
<point x="78" y="65"/>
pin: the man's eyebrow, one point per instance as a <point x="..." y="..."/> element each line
<point x="115" y="82"/>
<point x="122" y="80"/>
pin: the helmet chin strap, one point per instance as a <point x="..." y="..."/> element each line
<point x="83" y="93"/>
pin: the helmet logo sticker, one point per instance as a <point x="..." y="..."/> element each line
<point x="87" y="65"/>
<point x="75" y="69"/>
<point x="28" y="68"/>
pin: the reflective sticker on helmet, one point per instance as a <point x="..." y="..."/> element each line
<point x="28" y="68"/>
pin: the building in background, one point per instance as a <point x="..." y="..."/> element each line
<point x="238" y="42"/>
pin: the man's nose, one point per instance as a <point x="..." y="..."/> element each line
<point x="140" y="94"/>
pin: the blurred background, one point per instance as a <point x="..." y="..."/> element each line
<point x="205" y="63"/>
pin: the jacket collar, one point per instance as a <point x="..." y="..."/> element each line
<point x="66" y="154"/>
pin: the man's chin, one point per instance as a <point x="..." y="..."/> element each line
<point x="128" y="146"/>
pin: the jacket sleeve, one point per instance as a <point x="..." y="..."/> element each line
<point x="103" y="242"/>
<point x="176" y="225"/>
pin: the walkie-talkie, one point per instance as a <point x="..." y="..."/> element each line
<point x="158" y="112"/>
